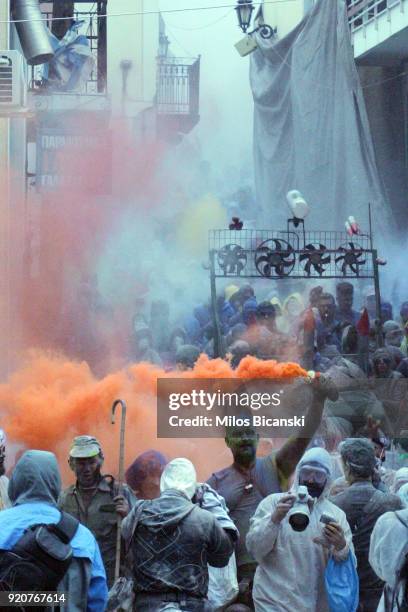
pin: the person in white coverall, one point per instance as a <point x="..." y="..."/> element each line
<point x="388" y="549"/>
<point x="291" y="564"/>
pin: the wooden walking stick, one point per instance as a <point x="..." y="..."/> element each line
<point x="121" y="476"/>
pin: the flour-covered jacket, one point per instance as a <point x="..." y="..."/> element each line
<point x="171" y="541"/>
<point x="290" y="573"/>
<point x="388" y="548"/>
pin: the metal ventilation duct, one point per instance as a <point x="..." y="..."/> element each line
<point x="33" y="33"/>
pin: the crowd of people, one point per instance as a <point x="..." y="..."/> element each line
<point x="311" y="328"/>
<point x="263" y="533"/>
<point x="270" y="525"/>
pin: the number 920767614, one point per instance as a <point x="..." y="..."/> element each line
<point x="32" y="598"/>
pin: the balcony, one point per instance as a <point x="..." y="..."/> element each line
<point x="177" y="97"/>
<point x="379" y="31"/>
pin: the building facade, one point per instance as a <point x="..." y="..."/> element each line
<point x="379" y="33"/>
<point x="61" y="147"/>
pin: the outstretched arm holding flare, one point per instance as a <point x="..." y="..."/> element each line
<point x="289" y="455"/>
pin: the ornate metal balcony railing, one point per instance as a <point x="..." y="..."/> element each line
<point x="178" y="82"/>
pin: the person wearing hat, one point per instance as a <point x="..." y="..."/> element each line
<point x="94" y="498"/>
<point x="4" y="498"/>
<point x="363" y="504"/>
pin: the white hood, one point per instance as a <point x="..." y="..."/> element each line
<point x="320" y="458"/>
<point x="179" y="474"/>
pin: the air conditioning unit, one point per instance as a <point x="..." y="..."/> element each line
<point x="13" y="82"/>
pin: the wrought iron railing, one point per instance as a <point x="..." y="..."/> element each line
<point x="362" y="12"/>
<point x="289" y="254"/>
<point x="178" y="86"/>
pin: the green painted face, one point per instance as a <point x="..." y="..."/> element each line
<point x="243" y="442"/>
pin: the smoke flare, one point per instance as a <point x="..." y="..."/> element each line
<point x="50" y="400"/>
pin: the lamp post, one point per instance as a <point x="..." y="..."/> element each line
<point x="163" y="45"/>
<point x="244" y="9"/>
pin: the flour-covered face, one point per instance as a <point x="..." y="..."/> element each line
<point x="87" y="470"/>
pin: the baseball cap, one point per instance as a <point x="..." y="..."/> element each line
<point x="84" y="447"/>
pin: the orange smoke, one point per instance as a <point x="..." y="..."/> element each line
<point x="57" y="237"/>
<point x="251" y="367"/>
<point x="50" y="400"/>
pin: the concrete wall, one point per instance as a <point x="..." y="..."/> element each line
<point x="143" y="32"/>
<point x="386" y="102"/>
<point x="12" y="220"/>
<point x="5" y="309"/>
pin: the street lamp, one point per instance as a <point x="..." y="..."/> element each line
<point x="163" y="45"/>
<point x="244" y="10"/>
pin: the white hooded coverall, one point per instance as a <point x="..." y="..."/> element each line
<point x="290" y="573"/>
<point x="388" y="548"/>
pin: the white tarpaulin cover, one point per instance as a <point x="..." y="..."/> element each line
<point x="311" y="129"/>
